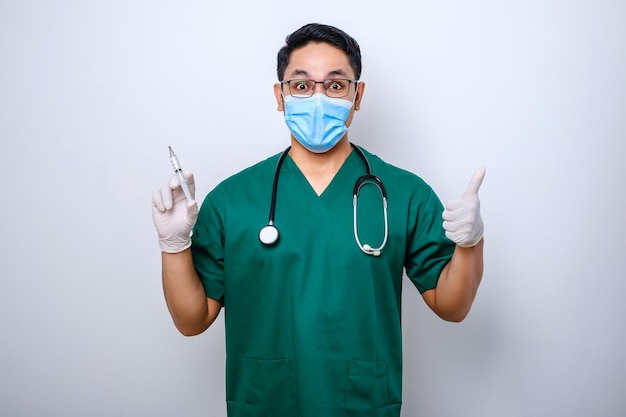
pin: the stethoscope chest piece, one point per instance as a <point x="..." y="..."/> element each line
<point x="268" y="235"/>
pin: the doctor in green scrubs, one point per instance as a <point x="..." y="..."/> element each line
<point x="313" y="319"/>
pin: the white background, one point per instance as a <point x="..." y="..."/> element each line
<point x="92" y="93"/>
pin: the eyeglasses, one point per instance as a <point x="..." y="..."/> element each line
<point x="305" y="88"/>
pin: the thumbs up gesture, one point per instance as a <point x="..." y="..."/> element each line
<point x="461" y="218"/>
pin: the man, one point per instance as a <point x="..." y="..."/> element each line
<point x="312" y="312"/>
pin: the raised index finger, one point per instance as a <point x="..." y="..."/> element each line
<point x="476" y="181"/>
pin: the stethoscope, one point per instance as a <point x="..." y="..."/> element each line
<point x="268" y="235"/>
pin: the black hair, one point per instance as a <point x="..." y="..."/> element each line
<point x="315" y="32"/>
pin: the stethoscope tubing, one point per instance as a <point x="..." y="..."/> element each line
<point x="269" y="235"/>
<point x="279" y="164"/>
<point x="377" y="182"/>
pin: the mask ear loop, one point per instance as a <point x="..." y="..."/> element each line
<point x="356" y="93"/>
<point x="377" y="182"/>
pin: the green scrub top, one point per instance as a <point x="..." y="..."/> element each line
<point x="312" y="323"/>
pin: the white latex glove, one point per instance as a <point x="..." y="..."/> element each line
<point x="462" y="221"/>
<point x="174" y="216"/>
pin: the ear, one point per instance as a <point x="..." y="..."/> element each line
<point x="360" y="89"/>
<point x="279" y="97"/>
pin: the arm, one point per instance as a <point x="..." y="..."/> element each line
<point x="174" y="218"/>
<point x="458" y="283"/>
<point x="192" y="311"/>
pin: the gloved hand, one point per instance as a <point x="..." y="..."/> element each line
<point x="174" y="216"/>
<point x="462" y="221"/>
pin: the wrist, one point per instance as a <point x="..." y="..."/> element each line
<point x="169" y="245"/>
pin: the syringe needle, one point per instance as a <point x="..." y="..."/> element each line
<point x="179" y="171"/>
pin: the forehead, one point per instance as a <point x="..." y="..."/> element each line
<point x="318" y="60"/>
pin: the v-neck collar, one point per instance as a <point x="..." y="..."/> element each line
<point x="342" y="179"/>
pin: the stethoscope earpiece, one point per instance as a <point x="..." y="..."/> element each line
<point x="368" y="250"/>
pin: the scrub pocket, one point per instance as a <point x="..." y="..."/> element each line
<point x="366" y="391"/>
<point x="265" y="390"/>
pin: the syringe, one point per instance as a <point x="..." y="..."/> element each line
<point x="179" y="171"/>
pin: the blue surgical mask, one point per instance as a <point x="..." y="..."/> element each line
<point x="317" y="122"/>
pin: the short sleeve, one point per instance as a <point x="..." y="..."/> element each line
<point x="207" y="246"/>
<point x="428" y="248"/>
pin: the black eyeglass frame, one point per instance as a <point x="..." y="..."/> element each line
<point x="324" y="83"/>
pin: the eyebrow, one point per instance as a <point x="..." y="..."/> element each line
<point x="333" y="73"/>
